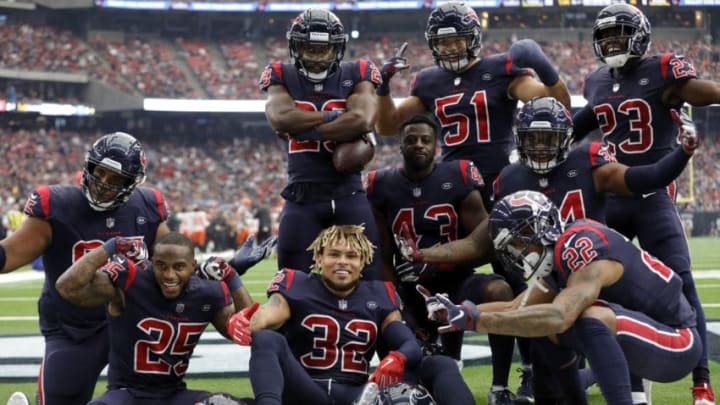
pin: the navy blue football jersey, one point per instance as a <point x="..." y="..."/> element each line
<point x="647" y="284"/>
<point x="569" y="185"/>
<point x="631" y="115"/>
<point x="311" y="161"/>
<point x="431" y="207"/>
<point x="152" y="340"/>
<point x="474" y="109"/>
<point x="333" y="337"/>
<point x="78" y="229"/>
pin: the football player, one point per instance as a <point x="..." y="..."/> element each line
<point x="64" y="223"/>
<point x="157" y="314"/>
<point x="313" y="340"/>
<point x="474" y="99"/>
<point x="599" y="295"/>
<point x="316" y="101"/>
<point x="435" y="203"/>
<point x="576" y="181"/>
<point x="630" y="100"/>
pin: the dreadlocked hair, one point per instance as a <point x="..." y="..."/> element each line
<point x="354" y="235"/>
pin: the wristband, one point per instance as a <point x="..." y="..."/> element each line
<point x="233" y="282"/>
<point x="109" y="247"/>
<point x="330" y="115"/>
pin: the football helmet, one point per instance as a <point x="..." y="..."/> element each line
<point x="317" y="43"/>
<point x="404" y="393"/>
<point x="454" y="20"/>
<point x="543" y="132"/>
<point x="120" y="153"/>
<point x="521" y="224"/>
<point x="621" y="32"/>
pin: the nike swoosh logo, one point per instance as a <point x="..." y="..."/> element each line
<point x="567" y="242"/>
<point x="648" y="194"/>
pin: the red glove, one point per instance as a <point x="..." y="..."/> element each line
<point x="390" y="370"/>
<point x="238" y="325"/>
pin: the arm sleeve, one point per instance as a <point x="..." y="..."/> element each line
<point x="400" y="339"/>
<point x="584" y="122"/>
<point x="641" y="179"/>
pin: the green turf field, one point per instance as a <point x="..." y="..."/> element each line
<point x="18" y="316"/>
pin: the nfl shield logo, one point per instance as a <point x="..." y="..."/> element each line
<point x="110" y="222"/>
<point x="179" y="308"/>
<point x="342" y="304"/>
<point x="543" y="182"/>
<point x="616" y="87"/>
<point x="417" y="192"/>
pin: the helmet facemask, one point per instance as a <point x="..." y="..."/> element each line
<point x="449" y="26"/>
<point x="542" y="149"/>
<point x="543" y="132"/>
<point x="524" y="227"/>
<point x="316" y="60"/>
<point x="621" y="33"/>
<point x="612" y="44"/>
<point x="119" y="154"/>
<point x="317" y="43"/>
<point x="515" y="250"/>
<point x="458" y="60"/>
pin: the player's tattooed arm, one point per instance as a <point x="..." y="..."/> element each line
<point x="219" y="321"/>
<point x="84" y="285"/>
<point x="271" y="315"/>
<point x="556" y="317"/>
<point x="477" y="247"/>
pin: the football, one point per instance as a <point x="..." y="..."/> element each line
<point x="351" y="157"/>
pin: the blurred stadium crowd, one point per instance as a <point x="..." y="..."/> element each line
<point x="227" y="181"/>
<point x="154" y="66"/>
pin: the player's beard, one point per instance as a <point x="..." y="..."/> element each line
<point x="341" y="288"/>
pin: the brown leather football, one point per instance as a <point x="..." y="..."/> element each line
<point x="351" y="157"/>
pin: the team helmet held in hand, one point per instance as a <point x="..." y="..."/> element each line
<point x="117" y="153"/>
<point x="317" y="41"/>
<point x="621" y="32"/>
<point x="543" y="132"/>
<point x="524" y="227"/>
<point x="403" y="393"/>
<point x="454" y="35"/>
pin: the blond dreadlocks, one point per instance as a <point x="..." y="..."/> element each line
<point x="353" y="235"/>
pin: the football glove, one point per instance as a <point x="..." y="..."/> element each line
<point x="214" y="268"/>
<point x="391" y="66"/>
<point x="249" y="256"/>
<point x="687" y="136"/>
<point x="432" y="304"/>
<point x="442" y="310"/>
<point x="132" y="247"/>
<point x="407" y="246"/>
<point x="409" y="272"/>
<point x="238" y="325"/>
<point x="390" y="370"/>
